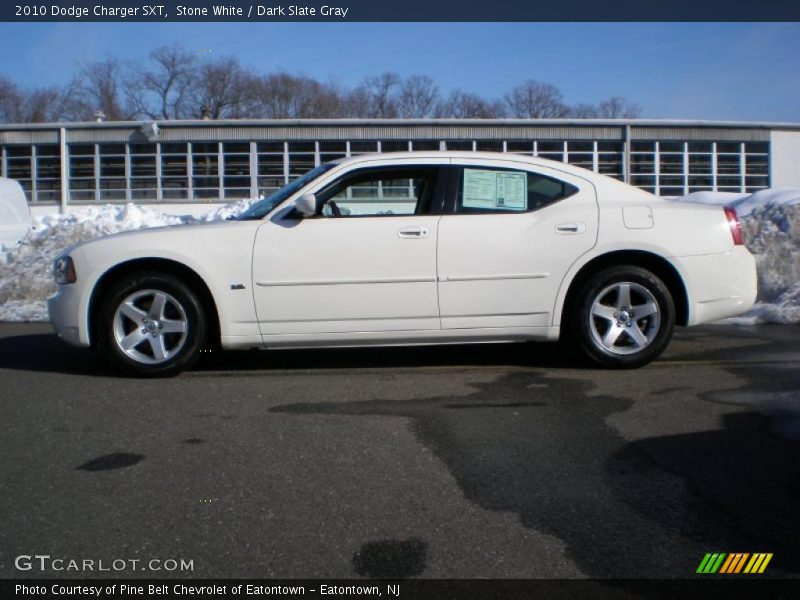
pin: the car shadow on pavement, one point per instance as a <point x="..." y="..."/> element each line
<point x="44" y="352"/>
<point x="623" y="509"/>
<point x="456" y="355"/>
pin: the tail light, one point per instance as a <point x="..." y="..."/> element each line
<point x="735" y="225"/>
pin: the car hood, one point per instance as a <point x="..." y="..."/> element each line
<point x="153" y="237"/>
<point x="146" y="236"/>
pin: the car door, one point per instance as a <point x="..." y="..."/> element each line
<point x="366" y="263"/>
<point x="508" y="235"/>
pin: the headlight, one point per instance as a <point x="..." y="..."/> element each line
<point x="64" y="270"/>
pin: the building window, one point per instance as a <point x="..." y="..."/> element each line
<point x="236" y="160"/>
<point x="419" y="145"/>
<point x="756" y="166"/>
<point x="520" y="147"/>
<point x="458" y="145"/>
<point x="610" y="157"/>
<point x="684" y="167"/>
<point x="271" y="172"/>
<point x="174" y="171"/>
<point x="48" y="173"/>
<point x="143" y="172"/>
<point x="82" y="176"/>
<point x="489" y="145"/>
<point x="334" y="150"/>
<point x="551" y="150"/>
<point x="362" y="147"/>
<point x="111" y="176"/>
<point x="581" y="154"/>
<point x="19" y="167"/>
<point x="205" y="170"/>
<point x="394" y="146"/>
<point x="302" y="158"/>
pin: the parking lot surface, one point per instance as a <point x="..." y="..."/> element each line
<point x="502" y="460"/>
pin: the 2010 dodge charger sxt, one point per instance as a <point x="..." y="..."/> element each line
<point x="435" y="247"/>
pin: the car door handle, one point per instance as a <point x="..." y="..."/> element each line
<point x="413" y="232"/>
<point x="570" y="228"/>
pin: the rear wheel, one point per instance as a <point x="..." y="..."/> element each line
<point x="624" y="317"/>
<point x="151" y="325"/>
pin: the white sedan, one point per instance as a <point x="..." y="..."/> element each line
<point x="412" y="248"/>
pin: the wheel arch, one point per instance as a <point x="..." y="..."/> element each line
<point x="153" y="264"/>
<point x="655" y="263"/>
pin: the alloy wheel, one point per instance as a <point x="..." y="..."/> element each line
<point x="624" y="318"/>
<point x="150" y="326"/>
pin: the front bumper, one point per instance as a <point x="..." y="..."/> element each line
<point x="720" y="285"/>
<point x="64" y="310"/>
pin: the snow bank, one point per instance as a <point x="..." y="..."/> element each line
<point x="771" y="224"/>
<point x="25" y="269"/>
<point x="772" y="233"/>
<point x="745" y="203"/>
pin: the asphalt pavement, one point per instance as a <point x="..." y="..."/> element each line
<point x="501" y="460"/>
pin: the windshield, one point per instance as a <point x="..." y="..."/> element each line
<point x="260" y="209"/>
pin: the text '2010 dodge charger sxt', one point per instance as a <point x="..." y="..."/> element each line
<point x="410" y="248"/>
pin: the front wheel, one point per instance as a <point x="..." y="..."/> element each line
<point x="624" y="317"/>
<point x="151" y="325"/>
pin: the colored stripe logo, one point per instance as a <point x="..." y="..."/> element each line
<point x="734" y="563"/>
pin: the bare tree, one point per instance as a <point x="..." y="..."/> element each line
<point x="284" y="96"/>
<point x="39" y="105"/>
<point x="618" y="108"/>
<point x="176" y="84"/>
<point x="376" y="96"/>
<point x="536" y="100"/>
<point x="417" y="97"/>
<point x="44" y="105"/>
<point x="465" y="105"/>
<point x="356" y="103"/>
<point x="583" y="111"/>
<point x="12" y="101"/>
<point x="96" y="88"/>
<point x="163" y="90"/>
<point x="219" y="89"/>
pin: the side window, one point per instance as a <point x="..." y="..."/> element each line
<point x="485" y="190"/>
<point x="380" y="192"/>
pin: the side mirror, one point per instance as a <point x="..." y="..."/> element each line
<point x="306" y="205"/>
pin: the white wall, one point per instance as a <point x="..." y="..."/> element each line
<point x="785" y="160"/>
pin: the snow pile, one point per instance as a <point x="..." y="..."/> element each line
<point x="26" y="278"/>
<point x="772" y="233"/>
<point x="771" y="224"/>
<point x="745" y="203"/>
<point x="226" y="211"/>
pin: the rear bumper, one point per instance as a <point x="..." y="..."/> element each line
<point x="719" y="285"/>
<point x="64" y="310"/>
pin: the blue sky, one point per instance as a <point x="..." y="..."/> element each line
<point x="744" y="71"/>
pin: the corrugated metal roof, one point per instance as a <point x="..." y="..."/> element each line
<point x="690" y="134"/>
<point x="29" y="137"/>
<point x="394" y="129"/>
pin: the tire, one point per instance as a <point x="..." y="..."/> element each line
<point x="605" y="328"/>
<point x="136" y="343"/>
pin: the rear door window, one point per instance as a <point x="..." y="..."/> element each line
<point x="483" y="190"/>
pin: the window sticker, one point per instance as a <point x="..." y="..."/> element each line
<point x="495" y="190"/>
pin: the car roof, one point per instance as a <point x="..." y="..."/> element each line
<point x="445" y="155"/>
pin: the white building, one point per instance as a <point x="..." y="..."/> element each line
<point x="184" y="165"/>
